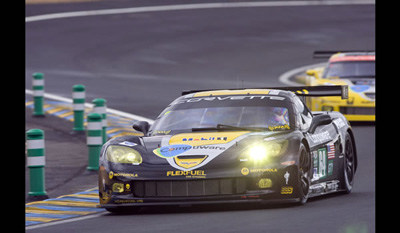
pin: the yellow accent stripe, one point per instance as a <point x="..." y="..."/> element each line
<point x="28" y="103"/>
<point x="209" y="138"/>
<point x="127" y="133"/>
<point x="66" y="203"/>
<point x="91" y="195"/>
<point x="55" y="110"/>
<point x="116" y="130"/>
<point x="66" y="114"/>
<point x="39" y="219"/>
<point x="233" y="92"/>
<point x="61" y="212"/>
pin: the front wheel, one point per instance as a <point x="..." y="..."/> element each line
<point x="304" y="175"/>
<point x="349" y="165"/>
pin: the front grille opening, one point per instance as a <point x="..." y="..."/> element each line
<point x="189" y="188"/>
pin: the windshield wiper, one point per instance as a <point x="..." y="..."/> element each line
<point x="230" y="127"/>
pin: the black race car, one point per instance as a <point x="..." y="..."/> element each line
<point x="231" y="146"/>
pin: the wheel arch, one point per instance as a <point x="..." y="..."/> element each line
<point x="350" y="131"/>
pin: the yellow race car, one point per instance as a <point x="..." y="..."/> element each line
<point x="355" y="69"/>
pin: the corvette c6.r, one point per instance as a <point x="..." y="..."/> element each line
<point x="355" y="69"/>
<point x="231" y="146"/>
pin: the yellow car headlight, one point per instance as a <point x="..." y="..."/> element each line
<point x="262" y="151"/>
<point x="123" y="154"/>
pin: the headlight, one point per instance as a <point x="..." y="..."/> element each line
<point x="123" y="154"/>
<point x="262" y="151"/>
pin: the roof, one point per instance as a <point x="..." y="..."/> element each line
<point x="233" y="92"/>
<point x="356" y="56"/>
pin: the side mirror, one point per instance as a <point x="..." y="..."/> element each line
<point x="141" y="126"/>
<point x="318" y="120"/>
<point x="310" y="72"/>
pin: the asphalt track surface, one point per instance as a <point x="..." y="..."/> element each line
<point x="140" y="62"/>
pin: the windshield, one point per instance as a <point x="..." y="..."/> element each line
<point x="350" y="69"/>
<point x="186" y="114"/>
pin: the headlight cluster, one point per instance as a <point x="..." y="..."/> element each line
<point x="123" y="154"/>
<point x="262" y="151"/>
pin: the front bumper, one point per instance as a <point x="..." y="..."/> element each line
<point x="269" y="186"/>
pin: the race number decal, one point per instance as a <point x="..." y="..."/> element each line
<point x="320" y="158"/>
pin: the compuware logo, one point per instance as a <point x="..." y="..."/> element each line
<point x="171" y="150"/>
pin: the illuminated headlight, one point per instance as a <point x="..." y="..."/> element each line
<point x="123" y="154"/>
<point x="262" y="151"/>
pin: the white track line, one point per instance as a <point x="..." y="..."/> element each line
<point x="194" y="6"/>
<point x="284" y="78"/>
<point x="89" y="105"/>
<point x="65" y="221"/>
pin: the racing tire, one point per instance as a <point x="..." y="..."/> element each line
<point x="304" y="175"/>
<point x="349" y="165"/>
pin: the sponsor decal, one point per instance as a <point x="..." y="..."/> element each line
<point x="198" y="139"/>
<point x="171" y="150"/>
<point x="321" y="166"/>
<point x="331" y="150"/>
<point x="112" y="175"/>
<point x="330" y="167"/>
<point x="258" y="170"/>
<point x="272" y="128"/>
<point x="286" y="176"/>
<point x="126" y="143"/>
<point x="359" y="88"/>
<point x="189" y="139"/>
<point x="208" y="148"/>
<point x="339" y="123"/>
<point x="190" y="151"/>
<point x="189" y="161"/>
<point x="320" y="137"/>
<point x="245" y="171"/>
<point x="286" y="190"/>
<point x="225" y="98"/>
<point x="127" y="201"/>
<point x="188" y="174"/>
<point x="166" y="132"/>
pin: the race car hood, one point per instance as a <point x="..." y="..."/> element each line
<point x="189" y="151"/>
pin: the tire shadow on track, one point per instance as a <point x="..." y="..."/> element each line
<point x="203" y="209"/>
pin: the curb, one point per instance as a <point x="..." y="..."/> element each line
<point x="63" y="207"/>
<point x="82" y="203"/>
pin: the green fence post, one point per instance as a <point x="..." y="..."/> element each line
<point x="36" y="162"/>
<point x="38" y="92"/>
<point x="100" y="108"/>
<point x="94" y="140"/>
<point x="78" y="96"/>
